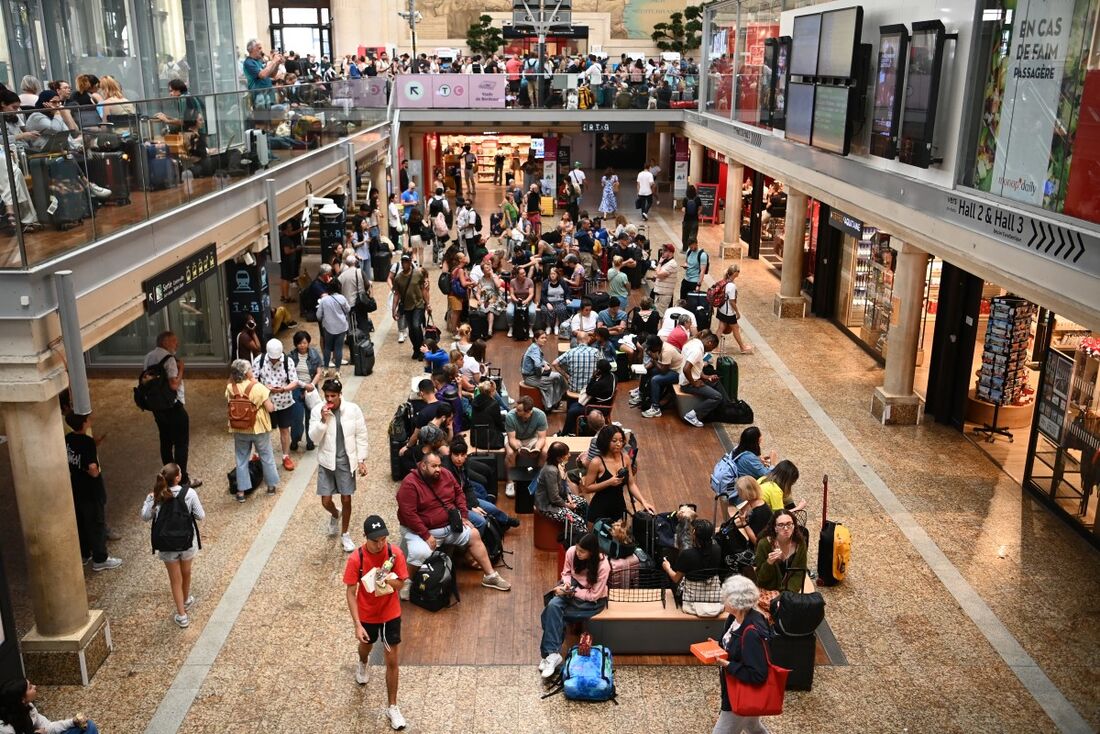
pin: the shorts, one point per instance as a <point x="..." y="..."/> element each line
<point x="282" y="418"/>
<point x="169" y="556"/>
<point x="290" y="267"/>
<point x="528" y="444"/>
<point x="419" y="550"/>
<point x="454" y="303"/>
<point x="335" y="481"/>
<point x="389" y="631"/>
<point x="726" y="318"/>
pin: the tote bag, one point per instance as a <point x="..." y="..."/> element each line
<point x="765" y="699"/>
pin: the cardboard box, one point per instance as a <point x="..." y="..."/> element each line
<point x="708" y="652"/>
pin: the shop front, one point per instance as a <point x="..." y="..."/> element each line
<point x="446" y="157"/>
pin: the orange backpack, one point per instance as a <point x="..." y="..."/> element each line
<point x="242" y="411"/>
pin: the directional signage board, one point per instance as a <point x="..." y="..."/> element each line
<point x="450" y="90"/>
<point x="414" y="90"/>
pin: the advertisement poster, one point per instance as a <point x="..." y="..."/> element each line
<point x="1032" y="99"/>
<point x="680" y="172"/>
<point x="488" y="90"/>
<point x="749" y="83"/>
<point x="550" y="166"/>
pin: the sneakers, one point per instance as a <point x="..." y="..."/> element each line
<point x="190" y="602"/>
<point x="636" y="402"/>
<point x="397" y="721"/>
<point x="182" y="620"/>
<point x="645" y="217"/>
<point x="653" y="412"/>
<point x="98" y="191"/>
<point x="362" y="673"/>
<point x="510" y="489"/>
<point x="333" y="526"/>
<point x="401" y="337"/>
<point x="550" y="664"/>
<point x="293" y="445"/>
<point x="636" y="392"/>
<point x="288" y="463"/>
<point x="194" y="483"/>
<point x="693" y="419"/>
<point x="107" y="565"/>
<point x="404" y="593"/>
<point x="113" y="534"/>
<point x="347" y="543"/>
<point x="86" y="560"/>
<point x="495" y="581"/>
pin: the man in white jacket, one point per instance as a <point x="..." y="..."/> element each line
<point x="340" y="432"/>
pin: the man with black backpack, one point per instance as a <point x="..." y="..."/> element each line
<point x="374" y="575"/>
<point x="173" y="424"/>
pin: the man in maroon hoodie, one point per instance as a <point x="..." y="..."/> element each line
<point x="424" y="501"/>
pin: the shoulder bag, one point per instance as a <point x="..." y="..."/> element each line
<point x="765" y="699"/>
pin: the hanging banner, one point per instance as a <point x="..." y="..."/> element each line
<point x="1028" y="115"/>
<point x="550" y="166"/>
<point x="680" y="171"/>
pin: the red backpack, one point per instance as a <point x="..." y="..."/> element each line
<point x="716" y="294"/>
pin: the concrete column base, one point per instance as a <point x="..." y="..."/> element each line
<point x="732" y="250"/>
<point x="789" y="307"/>
<point x="68" y="660"/>
<point x="897" y="410"/>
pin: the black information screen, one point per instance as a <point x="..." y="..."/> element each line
<point x="920" y="95"/>
<point x="840" y="32"/>
<point x="831" y="119"/>
<point x="804" y="47"/>
<point x="800" y="112"/>
<point x="886" y="111"/>
<point x="782" y="62"/>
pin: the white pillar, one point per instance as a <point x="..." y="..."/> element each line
<point x="731" y="233"/>
<point x="894" y="402"/>
<point x="789" y="303"/>
<point x="695" y="162"/>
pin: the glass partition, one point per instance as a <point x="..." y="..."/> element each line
<point x="753" y="82"/>
<point x="718" y="54"/>
<point x="72" y="175"/>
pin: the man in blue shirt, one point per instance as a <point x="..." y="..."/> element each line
<point x="409" y="199"/>
<point x="259" y="74"/>
<point x="696" y="264"/>
<point x="614" y="318"/>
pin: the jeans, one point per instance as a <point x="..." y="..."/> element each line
<point x="530" y="314"/>
<point x="572" y="415"/>
<point x="689" y="232"/>
<point x="243" y="446"/>
<point x="298" y="417"/>
<point x="712" y="394"/>
<point x="556" y="614"/>
<point x="90" y="729"/>
<point x="332" y="345"/>
<point x="414" y="321"/>
<point x="730" y="723"/>
<point x="91" y="528"/>
<point x="647" y="203"/>
<point x="174" y="426"/>
<point x="657" y="383"/>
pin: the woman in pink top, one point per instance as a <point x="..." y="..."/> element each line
<point x="581" y="595"/>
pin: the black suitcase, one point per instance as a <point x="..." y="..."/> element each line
<point x="362" y="355"/>
<point x="397" y="473"/>
<point x="698" y="305"/>
<point x="109" y="171"/>
<point x="479" y="325"/>
<point x="599" y="300"/>
<point x="58" y="178"/>
<point x="797" y="655"/>
<point x="521" y="324"/>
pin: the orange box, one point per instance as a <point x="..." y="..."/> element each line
<point x="708" y="652"/>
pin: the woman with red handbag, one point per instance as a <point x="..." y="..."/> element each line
<point x="751" y="686"/>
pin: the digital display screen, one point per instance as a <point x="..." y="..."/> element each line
<point x="779" y="112"/>
<point x="831" y="119"/>
<point x="888" y="90"/>
<point x="767" y="80"/>
<point x="840" y="33"/>
<point x="807" y="36"/>
<point x="920" y="95"/>
<point x="800" y="112"/>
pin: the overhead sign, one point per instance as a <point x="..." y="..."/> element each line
<point x="616" y="127"/>
<point x="450" y="90"/>
<point x="414" y="90"/>
<point x="487" y="90"/>
<point x="846" y="223"/>
<point x="167" y="285"/>
<point x="1069" y="246"/>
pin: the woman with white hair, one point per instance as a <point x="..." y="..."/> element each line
<point x="744" y="641"/>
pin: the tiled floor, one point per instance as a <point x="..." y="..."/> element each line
<point x="917" y="661"/>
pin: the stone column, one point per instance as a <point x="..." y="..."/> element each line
<point x="68" y="643"/>
<point x="731" y="233"/>
<point x="378" y="177"/>
<point x="695" y="162"/>
<point x="789" y="303"/>
<point x="895" y="403"/>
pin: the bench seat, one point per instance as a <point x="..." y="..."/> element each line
<point x="652" y="628"/>
<point x="685" y="403"/>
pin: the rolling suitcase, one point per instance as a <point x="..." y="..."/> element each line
<point x="700" y="307"/>
<point x="797" y="655"/>
<point x="256" y="148"/>
<point x="109" y="171"/>
<point x="727" y="375"/>
<point x="479" y="325"/>
<point x="57" y="192"/>
<point x="362" y="355"/>
<point x="520" y="324"/>
<point x="834" y="547"/>
<point x="158" y="170"/>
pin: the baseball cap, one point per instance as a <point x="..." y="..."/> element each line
<point x="406" y="257"/>
<point x="274" y="349"/>
<point x="374" y="528"/>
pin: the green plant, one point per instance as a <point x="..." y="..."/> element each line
<point x="484" y="38"/>
<point x="682" y="33"/>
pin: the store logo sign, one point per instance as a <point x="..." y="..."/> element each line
<point x="846" y="223"/>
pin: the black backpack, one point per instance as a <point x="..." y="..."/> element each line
<point x="153" y="392"/>
<point x="737" y="553"/>
<point x="403" y="423"/>
<point x="435" y="207"/>
<point x="444" y="283"/>
<point x="492" y="535"/>
<point x="174" y="526"/>
<point x="477" y="222"/>
<point x="434" y="583"/>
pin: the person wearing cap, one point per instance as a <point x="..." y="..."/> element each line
<point x="664" y="277"/>
<point x="340" y="433"/>
<point x="275" y="372"/>
<point x="374" y="575"/>
<point x="248" y="341"/>
<point x="257" y="439"/>
<point x="425" y="499"/>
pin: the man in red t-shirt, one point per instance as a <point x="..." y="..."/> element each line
<point x="374" y="575"/>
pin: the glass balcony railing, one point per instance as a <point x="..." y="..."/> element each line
<point x="72" y="175"/>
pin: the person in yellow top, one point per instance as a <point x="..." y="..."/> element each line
<point x="258" y="437"/>
<point x="775" y="487"/>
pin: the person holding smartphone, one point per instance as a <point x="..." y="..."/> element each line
<point x="580" y="595"/>
<point x="340" y="433"/>
<point x="608" y="473"/>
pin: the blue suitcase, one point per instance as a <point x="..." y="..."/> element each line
<point x="158" y="170"/>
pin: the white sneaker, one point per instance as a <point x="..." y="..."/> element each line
<point x="510" y="489"/>
<point x="653" y="412"/>
<point x="189" y="603"/>
<point x="404" y="593"/>
<point x="347" y="542"/>
<point x="553" y="660"/>
<point x="542" y="665"/>
<point x="636" y="392"/>
<point x="401" y="337"/>
<point x="333" y="526"/>
<point x="509" y="332"/>
<point x="362" y="673"/>
<point x="495" y="581"/>
<point x="693" y="419"/>
<point x="397" y="721"/>
<point x="182" y="620"/>
<point x="98" y="191"/>
<point x="107" y="564"/>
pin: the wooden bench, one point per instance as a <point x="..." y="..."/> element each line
<point x="532" y="392"/>
<point x="652" y="627"/>
<point x="685" y="403"/>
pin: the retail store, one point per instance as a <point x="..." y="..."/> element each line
<point x="445" y="155"/>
